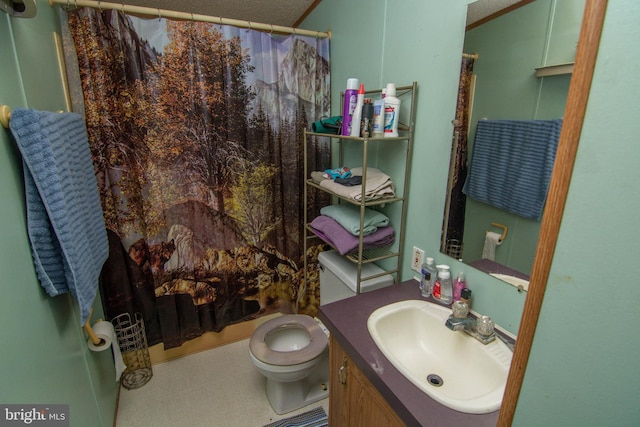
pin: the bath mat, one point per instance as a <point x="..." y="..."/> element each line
<point x="313" y="418"/>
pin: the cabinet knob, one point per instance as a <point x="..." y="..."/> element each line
<point x="342" y="372"/>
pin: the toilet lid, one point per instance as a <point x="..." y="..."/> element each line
<point x="262" y="352"/>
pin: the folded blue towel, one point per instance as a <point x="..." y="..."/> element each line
<point x="348" y="216"/>
<point x="511" y="164"/>
<point x="64" y="216"/>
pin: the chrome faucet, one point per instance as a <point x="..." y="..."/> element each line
<point x="460" y="323"/>
<point x="482" y="329"/>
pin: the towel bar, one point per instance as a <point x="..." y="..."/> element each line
<point x="5" y="115"/>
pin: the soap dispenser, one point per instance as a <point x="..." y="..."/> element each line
<point x="446" y="286"/>
<point x="443" y="288"/>
<point x="458" y="286"/>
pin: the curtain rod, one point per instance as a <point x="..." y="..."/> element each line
<point x="470" y="55"/>
<point x="190" y="17"/>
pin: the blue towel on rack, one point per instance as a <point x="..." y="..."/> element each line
<point x="511" y="164"/>
<point x="64" y="216"/>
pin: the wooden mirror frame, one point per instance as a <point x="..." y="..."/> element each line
<point x="563" y="168"/>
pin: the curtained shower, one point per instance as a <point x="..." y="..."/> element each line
<point x="196" y="137"/>
<point x="453" y="223"/>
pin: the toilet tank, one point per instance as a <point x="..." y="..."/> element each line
<point x="338" y="277"/>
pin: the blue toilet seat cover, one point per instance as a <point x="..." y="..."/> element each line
<point x="262" y="352"/>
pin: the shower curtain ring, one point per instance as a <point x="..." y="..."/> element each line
<point x="76" y="3"/>
<point x="159" y="15"/>
<point x="99" y="7"/>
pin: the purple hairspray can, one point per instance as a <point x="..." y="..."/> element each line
<point x="350" y="101"/>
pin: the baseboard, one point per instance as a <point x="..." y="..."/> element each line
<point x="208" y="340"/>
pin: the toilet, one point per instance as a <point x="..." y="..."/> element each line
<point x="292" y="350"/>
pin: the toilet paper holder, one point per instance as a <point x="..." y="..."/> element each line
<point x="504" y="228"/>
<point x="89" y="330"/>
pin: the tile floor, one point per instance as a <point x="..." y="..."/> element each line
<point x="214" y="388"/>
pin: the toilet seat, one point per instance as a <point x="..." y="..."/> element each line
<point x="261" y="351"/>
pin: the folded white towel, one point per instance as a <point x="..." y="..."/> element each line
<point x="377" y="185"/>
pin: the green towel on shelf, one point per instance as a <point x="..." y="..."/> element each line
<point x="348" y="216"/>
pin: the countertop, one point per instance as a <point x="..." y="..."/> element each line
<point x="347" y="322"/>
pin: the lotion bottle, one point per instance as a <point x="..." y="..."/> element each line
<point x="356" y="118"/>
<point x="391" y="111"/>
<point x="350" y="100"/>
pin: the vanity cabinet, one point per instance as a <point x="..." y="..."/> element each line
<point x="353" y="400"/>
<point x="368" y="145"/>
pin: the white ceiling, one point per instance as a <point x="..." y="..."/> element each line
<point x="283" y="12"/>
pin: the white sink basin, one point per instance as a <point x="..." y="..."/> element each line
<point x="469" y="376"/>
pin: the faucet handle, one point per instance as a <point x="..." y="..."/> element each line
<point x="485" y="326"/>
<point x="460" y="309"/>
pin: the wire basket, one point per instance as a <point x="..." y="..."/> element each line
<point x="454" y="249"/>
<point x="135" y="352"/>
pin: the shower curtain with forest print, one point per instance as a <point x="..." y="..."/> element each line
<point x="196" y="132"/>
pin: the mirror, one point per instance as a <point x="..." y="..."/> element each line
<point x="521" y="62"/>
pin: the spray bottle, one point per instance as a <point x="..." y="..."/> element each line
<point x="350" y="100"/>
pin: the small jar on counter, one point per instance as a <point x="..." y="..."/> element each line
<point x="465" y="296"/>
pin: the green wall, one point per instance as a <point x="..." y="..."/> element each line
<point x="582" y="370"/>
<point x="402" y="42"/>
<point x="510" y="47"/>
<point x="44" y="358"/>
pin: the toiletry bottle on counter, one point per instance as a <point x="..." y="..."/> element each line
<point x="436" y="284"/>
<point x="350" y="100"/>
<point x="465" y="296"/>
<point x="367" y="118"/>
<point x="425" y="281"/>
<point x="378" y="115"/>
<point x="458" y="286"/>
<point x="356" y="117"/>
<point x="391" y="111"/>
<point x="429" y="266"/>
<point x="444" y="286"/>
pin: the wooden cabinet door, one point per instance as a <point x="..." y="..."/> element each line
<point x="353" y="400"/>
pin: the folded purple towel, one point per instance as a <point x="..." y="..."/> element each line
<point x="337" y="236"/>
